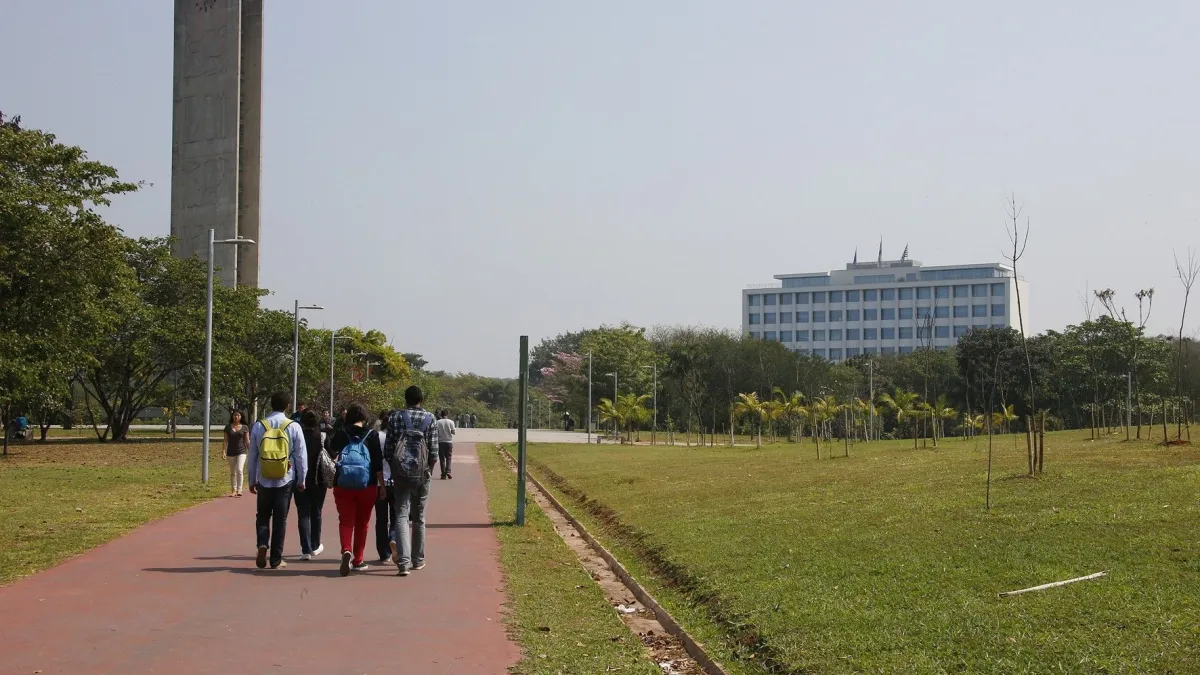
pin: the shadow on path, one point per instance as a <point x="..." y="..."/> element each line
<point x="285" y="572"/>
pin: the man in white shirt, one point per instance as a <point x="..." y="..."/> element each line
<point x="275" y="494"/>
<point x="445" y="450"/>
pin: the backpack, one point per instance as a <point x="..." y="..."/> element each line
<point x="410" y="463"/>
<point x="354" y="463"/>
<point x="275" y="450"/>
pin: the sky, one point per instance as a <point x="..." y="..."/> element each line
<point x="457" y="174"/>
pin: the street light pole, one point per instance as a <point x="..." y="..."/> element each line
<point x="589" y="410"/>
<point x="613" y="375"/>
<point x="208" y="322"/>
<point x="296" y="351"/>
<point x="654" y="428"/>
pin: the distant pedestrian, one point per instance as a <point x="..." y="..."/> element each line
<point x="412" y="441"/>
<point x="311" y="500"/>
<point x="299" y="413"/>
<point x="474" y="421"/>
<point x="277" y="465"/>
<point x="326" y="426"/>
<point x="235" y="442"/>
<point x="445" y="449"/>
<point x="385" y="504"/>
<point x="359" y="482"/>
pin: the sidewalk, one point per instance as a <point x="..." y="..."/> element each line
<point x="182" y="595"/>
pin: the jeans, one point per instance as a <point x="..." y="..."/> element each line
<point x="354" y="516"/>
<point x="271" y="520"/>
<point x="385" y="522"/>
<point x="308" y="517"/>
<point x="445" y="452"/>
<point x="410" y="502"/>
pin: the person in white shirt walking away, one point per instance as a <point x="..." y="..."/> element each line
<point x="445" y="449"/>
<point x="277" y="465"/>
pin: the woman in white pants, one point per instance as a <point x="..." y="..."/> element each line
<point x="235" y="442"/>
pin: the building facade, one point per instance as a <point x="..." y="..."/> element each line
<point x="884" y="307"/>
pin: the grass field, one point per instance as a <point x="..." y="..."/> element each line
<point x="886" y="561"/>
<point x="59" y="500"/>
<point x="556" y="612"/>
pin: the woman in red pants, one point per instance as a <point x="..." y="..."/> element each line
<point x="359" y="481"/>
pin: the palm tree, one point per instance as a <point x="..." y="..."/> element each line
<point x="942" y="411"/>
<point x="791" y="408"/>
<point x="607" y="412"/>
<point x="772" y="410"/>
<point x="1003" y="416"/>
<point x="748" y="404"/>
<point x="631" y="409"/>
<point x="861" y="409"/>
<point x="906" y="405"/>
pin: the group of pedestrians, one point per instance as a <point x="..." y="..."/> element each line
<point x="382" y="469"/>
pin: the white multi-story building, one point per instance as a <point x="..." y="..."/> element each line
<point x="885" y="307"/>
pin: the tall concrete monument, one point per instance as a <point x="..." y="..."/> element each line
<point x="216" y="141"/>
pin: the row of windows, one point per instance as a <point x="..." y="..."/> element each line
<point x="866" y="334"/>
<point x="877" y="294"/>
<point x="835" y="354"/>
<point x="885" y="314"/>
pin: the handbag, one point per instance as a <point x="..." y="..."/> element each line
<point x="326" y="470"/>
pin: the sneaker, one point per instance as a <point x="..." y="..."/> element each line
<point x="395" y="552"/>
<point x="361" y="567"/>
<point x="319" y="549"/>
<point x="279" y="565"/>
<point x="450" y="476"/>
<point x="345" y="569"/>
<point x="443" y="478"/>
<point x="238" y="495"/>
<point x="260" y="561"/>
<point x="419" y="566"/>
<point x="402" y="570"/>
<point x="306" y="556"/>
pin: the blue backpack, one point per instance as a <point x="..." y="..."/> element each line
<point x="354" y="463"/>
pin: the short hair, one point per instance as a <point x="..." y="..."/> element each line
<point x="357" y="412"/>
<point x="413" y="396"/>
<point x="280" y="401"/>
<point x="308" y="419"/>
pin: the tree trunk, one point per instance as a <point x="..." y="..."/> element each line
<point x="1029" y="443"/>
<point x="1164" y="420"/>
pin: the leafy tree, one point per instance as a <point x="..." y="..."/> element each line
<point x="906" y="405"/>
<point x="748" y="405"/>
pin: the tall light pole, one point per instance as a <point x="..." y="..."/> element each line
<point x="613" y="375"/>
<point x="589" y="410"/>
<point x="296" y="352"/>
<point x="208" y="320"/>
<point x="332" y="337"/>
<point x="654" y="429"/>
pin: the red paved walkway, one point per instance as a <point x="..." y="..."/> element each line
<point x="182" y="595"/>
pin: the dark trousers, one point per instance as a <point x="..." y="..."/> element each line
<point x="271" y="520"/>
<point x="385" y="519"/>
<point x="308" y="517"/>
<point x="445" y="451"/>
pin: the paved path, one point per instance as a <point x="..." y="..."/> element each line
<point x="182" y="595"/>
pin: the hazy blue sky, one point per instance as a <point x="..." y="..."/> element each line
<point x="536" y="167"/>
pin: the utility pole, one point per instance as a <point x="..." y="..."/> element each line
<point x="871" y="381"/>
<point x="1128" y="403"/>
<point x="589" y="410"/>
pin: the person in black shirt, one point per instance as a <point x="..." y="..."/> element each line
<point x="236" y="440"/>
<point x="355" y="505"/>
<point x="311" y="500"/>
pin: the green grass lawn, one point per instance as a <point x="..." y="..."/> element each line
<point x="886" y="561"/>
<point x="555" y="611"/>
<point x="59" y="500"/>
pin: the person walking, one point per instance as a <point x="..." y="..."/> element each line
<point x="276" y="466"/>
<point x="359" y="484"/>
<point x="412" y="442"/>
<point x="235" y="442"/>
<point x="385" y="503"/>
<point x="311" y="500"/>
<point x="445" y="428"/>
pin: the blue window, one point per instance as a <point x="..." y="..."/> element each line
<point x="887" y="350"/>
<point x="769" y="299"/>
<point x="870" y="295"/>
<point x="870" y="350"/>
<point x="887" y="294"/>
<point x="769" y="336"/>
<point x="785" y="317"/>
<point x="962" y="291"/>
<point x="924" y="293"/>
<point x="960" y="311"/>
<point x="923" y="332"/>
<point x="852" y="296"/>
<point x="851" y="333"/>
<point x="941" y="312"/>
<point x="979" y="310"/>
<point x="835" y="296"/>
<point x="769" y="317"/>
<point x="998" y="310"/>
<point x="818" y="297"/>
<point x="818" y="336"/>
<point x="801" y="336"/>
<point x="870" y="315"/>
<point x="819" y="353"/>
<point x="906" y="350"/>
<point x="835" y="315"/>
<point x="888" y="314"/>
<point x="835" y="335"/>
<point x="785" y="298"/>
<point x="755" y="300"/>
<point x="785" y="336"/>
<point x="906" y="294"/>
<point x="960" y="331"/>
<point x="754" y="319"/>
<point x="997" y="290"/>
<point x="802" y="298"/>
<point x="870" y="334"/>
<point x="801" y="317"/>
<point x="906" y="313"/>
<point x="923" y="312"/>
<point x="852" y="352"/>
<point x="887" y="333"/>
<point x="941" y="292"/>
<point x="835" y="354"/>
<point x="818" y="317"/>
<point x="906" y="332"/>
<point x="941" y="331"/>
<point x="755" y="335"/>
<point x="979" y="290"/>
<point x="852" y="315"/>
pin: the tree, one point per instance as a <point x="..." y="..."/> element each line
<point x="748" y="405"/>
<point x="791" y="408"/>
<point x="416" y="361"/>
<point x="1019" y="243"/>
<point x="906" y="406"/>
<point x="1187" y="273"/>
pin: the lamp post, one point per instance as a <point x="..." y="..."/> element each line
<point x="654" y="429"/>
<point x="296" y="352"/>
<point x="333" y="337"/>
<point x="613" y="375"/>
<point x="208" y="321"/>
<point x="589" y="410"/>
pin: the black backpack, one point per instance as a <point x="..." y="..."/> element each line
<point x="410" y="460"/>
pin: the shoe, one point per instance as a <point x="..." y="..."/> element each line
<point x="395" y="552"/>
<point x="361" y="567"/>
<point x="402" y="571"/>
<point x="238" y="494"/>
<point x="234" y="494"/>
<point x="260" y="561"/>
<point x="450" y="476"/>
<point x="419" y="566"/>
<point x="306" y="556"/>
<point x="279" y="565"/>
<point x="318" y="550"/>
<point x="345" y="569"/>
<point x="443" y="476"/>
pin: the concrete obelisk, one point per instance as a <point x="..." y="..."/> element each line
<point x="216" y="140"/>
